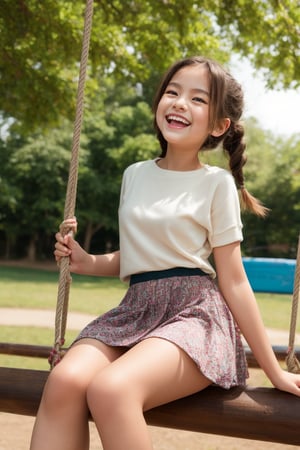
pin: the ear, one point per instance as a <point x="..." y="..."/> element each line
<point x="222" y="126"/>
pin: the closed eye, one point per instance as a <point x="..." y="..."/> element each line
<point x="171" y="92"/>
<point x="200" y="100"/>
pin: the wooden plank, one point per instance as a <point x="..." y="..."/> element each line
<point x="36" y="351"/>
<point x="43" y="351"/>
<point x="21" y="390"/>
<point x="264" y="414"/>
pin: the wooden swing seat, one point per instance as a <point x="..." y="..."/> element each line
<point x="264" y="414"/>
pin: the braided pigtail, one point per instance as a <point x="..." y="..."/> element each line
<point x="234" y="146"/>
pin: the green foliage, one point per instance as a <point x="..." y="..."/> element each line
<point x="267" y="32"/>
<point x="283" y="189"/>
<point x="36" y="173"/>
<point x="272" y="172"/>
<point x="132" y="43"/>
<point x="116" y="132"/>
<point x="40" y="46"/>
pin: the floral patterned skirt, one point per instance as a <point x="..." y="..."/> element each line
<point x="186" y="310"/>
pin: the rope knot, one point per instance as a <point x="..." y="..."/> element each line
<point x="293" y="364"/>
<point x="57" y="353"/>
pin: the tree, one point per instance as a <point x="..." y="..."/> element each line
<point x="117" y="131"/>
<point x="267" y="32"/>
<point x="40" y="46"/>
<point x="284" y="195"/>
<point x="273" y="174"/>
<point x="37" y="172"/>
<point x="10" y="193"/>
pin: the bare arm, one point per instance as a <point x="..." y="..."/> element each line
<point x="239" y="296"/>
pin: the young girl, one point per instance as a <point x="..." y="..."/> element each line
<point x="175" y="331"/>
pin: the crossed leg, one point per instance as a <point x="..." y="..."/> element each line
<point x="151" y="373"/>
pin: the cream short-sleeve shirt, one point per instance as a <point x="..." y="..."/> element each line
<point x="174" y="219"/>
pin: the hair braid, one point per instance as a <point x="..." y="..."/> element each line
<point x="234" y="146"/>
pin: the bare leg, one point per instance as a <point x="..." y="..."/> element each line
<point x="153" y="372"/>
<point x="62" y="420"/>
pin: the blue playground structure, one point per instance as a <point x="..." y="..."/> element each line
<point x="271" y="274"/>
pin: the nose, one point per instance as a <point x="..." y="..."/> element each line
<point x="180" y="103"/>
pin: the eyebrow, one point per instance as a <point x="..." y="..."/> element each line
<point x="200" y="90"/>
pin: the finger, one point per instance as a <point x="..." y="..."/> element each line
<point x="69" y="226"/>
<point x="63" y="240"/>
<point x="61" y="249"/>
<point x="59" y="237"/>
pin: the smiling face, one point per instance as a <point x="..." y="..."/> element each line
<point x="183" y="111"/>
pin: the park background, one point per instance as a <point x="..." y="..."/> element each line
<point x="133" y="42"/>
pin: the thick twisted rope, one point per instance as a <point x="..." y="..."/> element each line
<point x="69" y="211"/>
<point x="293" y="364"/>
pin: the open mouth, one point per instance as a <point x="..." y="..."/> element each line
<point x="178" y="121"/>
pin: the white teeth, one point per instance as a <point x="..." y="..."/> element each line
<point x="177" y="119"/>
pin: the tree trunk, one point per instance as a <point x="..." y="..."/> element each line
<point x="89" y="233"/>
<point x="31" y="249"/>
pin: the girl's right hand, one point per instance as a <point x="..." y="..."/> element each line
<point x="66" y="246"/>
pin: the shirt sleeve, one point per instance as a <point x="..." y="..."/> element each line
<point x="226" y="224"/>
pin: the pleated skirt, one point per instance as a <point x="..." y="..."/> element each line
<point x="186" y="310"/>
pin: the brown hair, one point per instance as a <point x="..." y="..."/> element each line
<point x="226" y="101"/>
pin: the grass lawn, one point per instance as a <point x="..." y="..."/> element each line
<point x="28" y="288"/>
<point x="31" y="288"/>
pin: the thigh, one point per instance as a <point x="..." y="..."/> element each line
<point x="157" y="371"/>
<point x="85" y="359"/>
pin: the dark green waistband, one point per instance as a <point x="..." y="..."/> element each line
<point x="158" y="274"/>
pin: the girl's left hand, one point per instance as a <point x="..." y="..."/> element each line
<point x="289" y="382"/>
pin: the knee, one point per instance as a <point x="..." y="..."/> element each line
<point x="64" y="386"/>
<point x="107" y="393"/>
